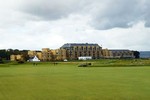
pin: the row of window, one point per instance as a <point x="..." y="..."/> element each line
<point x="122" y="54"/>
<point x="85" y="48"/>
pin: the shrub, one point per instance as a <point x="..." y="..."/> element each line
<point x="20" y="62"/>
<point x="1" y="61"/>
<point x="83" y="65"/>
<point x="89" y="63"/>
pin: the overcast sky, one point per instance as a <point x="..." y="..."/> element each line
<point x="36" y="24"/>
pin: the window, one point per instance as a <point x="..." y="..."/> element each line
<point x="90" y="48"/>
<point x="86" y="48"/>
<point x="81" y="48"/>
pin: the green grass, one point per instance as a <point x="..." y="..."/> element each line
<point x="66" y="81"/>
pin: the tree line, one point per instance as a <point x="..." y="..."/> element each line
<point x="5" y="53"/>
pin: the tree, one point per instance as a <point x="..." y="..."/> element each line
<point x="16" y="52"/>
<point x="1" y="61"/>
<point x="136" y="54"/>
<point x="3" y="54"/>
<point x="25" y="54"/>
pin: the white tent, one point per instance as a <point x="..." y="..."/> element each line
<point x="35" y="59"/>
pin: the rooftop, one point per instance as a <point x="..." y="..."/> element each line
<point x="119" y="50"/>
<point x="68" y="45"/>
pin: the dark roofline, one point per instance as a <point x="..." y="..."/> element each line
<point x="80" y="43"/>
<point x="119" y="50"/>
<point x="68" y="45"/>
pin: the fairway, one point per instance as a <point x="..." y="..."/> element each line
<point x="67" y="81"/>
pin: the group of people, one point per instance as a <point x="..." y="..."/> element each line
<point x="35" y="64"/>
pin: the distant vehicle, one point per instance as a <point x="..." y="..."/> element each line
<point x="65" y="60"/>
<point x="85" y="58"/>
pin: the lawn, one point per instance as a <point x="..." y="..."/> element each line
<point x="67" y="81"/>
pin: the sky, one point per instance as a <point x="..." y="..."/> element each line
<point x="37" y="24"/>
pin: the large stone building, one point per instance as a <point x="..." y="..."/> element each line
<point x="75" y="50"/>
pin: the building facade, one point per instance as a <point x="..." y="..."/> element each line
<point x="72" y="51"/>
<point x="106" y="53"/>
<point x="75" y="50"/>
<point x="122" y="53"/>
<point x="32" y="54"/>
<point x="16" y="58"/>
<point x="46" y="54"/>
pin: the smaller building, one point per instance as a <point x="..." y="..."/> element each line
<point x="46" y="54"/>
<point x="31" y="53"/>
<point x="106" y="53"/>
<point x="119" y="53"/>
<point x="39" y="55"/>
<point x="16" y="58"/>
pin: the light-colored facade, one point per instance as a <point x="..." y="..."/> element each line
<point x="107" y="53"/>
<point x="51" y="55"/>
<point x="46" y="54"/>
<point x="59" y="54"/>
<point x="12" y="58"/>
<point x="32" y="54"/>
<point x="122" y="53"/>
<point x="62" y="55"/>
<point x="16" y="58"/>
<point x="73" y="50"/>
<point x="39" y="55"/>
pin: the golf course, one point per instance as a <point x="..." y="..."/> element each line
<point x="104" y="79"/>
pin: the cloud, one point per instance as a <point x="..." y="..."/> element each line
<point x="104" y="14"/>
<point x="133" y="38"/>
<point x="49" y="9"/>
<point x="120" y="13"/>
<point x="34" y="24"/>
